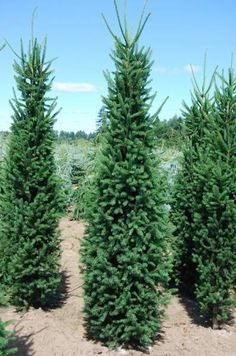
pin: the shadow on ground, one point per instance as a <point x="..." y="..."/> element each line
<point x="195" y="315"/>
<point x="193" y="311"/>
<point x="132" y="347"/>
<point x="58" y="300"/>
<point x="23" y="345"/>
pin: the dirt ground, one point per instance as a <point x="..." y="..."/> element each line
<point x="60" y="331"/>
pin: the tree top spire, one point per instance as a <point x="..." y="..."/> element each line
<point x="124" y="28"/>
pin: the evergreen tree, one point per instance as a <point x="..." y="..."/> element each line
<point x="5" y="336"/>
<point x="196" y="117"/>
<point x="125" y="253"/>
<point x="29" y="202"/>
<point x="215" y="210"/>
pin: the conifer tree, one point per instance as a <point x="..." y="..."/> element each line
<point x="29" y="242"/>
<point x="196" y="117"/>
<point x="215" y="210"/>
<point x="125" y="253"/>
<point x="5" y="336"/>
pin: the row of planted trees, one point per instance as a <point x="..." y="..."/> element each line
<point x="129" y="254"/>
<point x="204" y="200"/>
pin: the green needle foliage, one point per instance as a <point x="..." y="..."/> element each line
<point x="215" y="211"/>
<point x="125" y="253"/>
<point x="5" y="338"/>
<point x="30" y="199"/>
<point x="196" y="117"/>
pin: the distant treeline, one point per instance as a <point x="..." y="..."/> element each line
<point x="169" y="132"/>
<point x="61" y="135"/>
<point x="72" y="136"/>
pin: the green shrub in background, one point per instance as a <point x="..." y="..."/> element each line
<point x="63" y="161"/>
<point x="125" y="253"/>
<point x="170" y="133"/>
<point x="84" y="187"/>
<point x="81" y="199"/>
<point x="72" y="166"/>
<point x="30" y="198"/>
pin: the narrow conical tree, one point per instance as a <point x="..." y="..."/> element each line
<point x="215" y="210"/>
<point x="5" y="336"/>
<point x="125" y="252"/>
<point x="196" y="117"/>
<point x="29" y="242"/>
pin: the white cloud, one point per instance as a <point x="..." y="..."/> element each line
<point x="162" y="70"/>
<point x="74" y="87"/>
<point x="189" y="68"/>
<point x="80" y="113"/>
<point x="168" y="70"/>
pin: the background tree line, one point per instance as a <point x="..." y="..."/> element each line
<point x="169" y="132"/>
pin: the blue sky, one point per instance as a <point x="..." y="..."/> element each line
<point x="179" y="33"/>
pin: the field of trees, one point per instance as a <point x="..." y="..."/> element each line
<point x="122" y="241"/>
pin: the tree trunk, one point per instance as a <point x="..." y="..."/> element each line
<point x="215" y="321"/>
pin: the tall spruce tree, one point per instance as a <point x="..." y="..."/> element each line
<point x="29" y="242"/>
<point x="125" y="252"/>
<point x="5" y="336"/>
<point x="215" y="210"/>
<point x="196" y="117"/>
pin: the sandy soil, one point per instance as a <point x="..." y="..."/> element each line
<point x="60" y="331"/>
